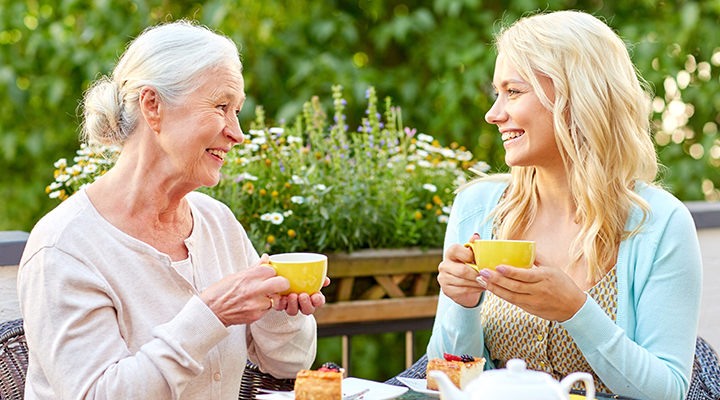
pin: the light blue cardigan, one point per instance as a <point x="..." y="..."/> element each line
<point x="649" y="352"/>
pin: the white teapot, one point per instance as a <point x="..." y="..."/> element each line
<point x="514" y="383"/>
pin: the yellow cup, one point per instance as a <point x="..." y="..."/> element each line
<point x="491" y="253"/>
<point x="305" y="271"/>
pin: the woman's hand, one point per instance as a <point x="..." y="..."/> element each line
<point x="245" y="297"/>
<point x="544" y="291"/>
<point x="457" y="279"/>
<point x="306" y="304"/>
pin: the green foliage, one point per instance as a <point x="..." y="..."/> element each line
<point x="434" y="58"/>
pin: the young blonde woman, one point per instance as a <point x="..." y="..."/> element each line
<point x="615" y="289"/>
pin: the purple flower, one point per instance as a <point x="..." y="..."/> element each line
<point x="382" y="142"/>
<point x="343" y="101"/>
<point x="367" y="112"/>
<point x="345" y="146"/>
<point x="377" y="115"/>
<point x="382" y="125"/>
<point x="345" y="128"/>
<point x="371" y="137"/>
<point x="335" y="118"/>
<point x="368" y="154"/>
<point x="360" y="128"/>
<point x="367" y="93"/>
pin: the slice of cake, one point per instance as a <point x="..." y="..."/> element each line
<point x="323" y="384"/>
<point x="460" y="370"/>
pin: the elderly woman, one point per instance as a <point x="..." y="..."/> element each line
<point x="138" y="287"/>
<point x="615" y="290"/>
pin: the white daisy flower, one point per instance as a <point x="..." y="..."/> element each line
<point x="424" y="164"/>
<point x="61" y="163"/>
<point x="429" y="186"/>
<point x="257" y="132"/>
<point x="297" y="180"/>
<point x="447" y="209"/>
<point x="55" y="185"/>
<point x="425" y="138"/>
<point x="447" y="153"/>
<point x="259" y="140"/>
<point x="276" y="218"/>
<point x="461" y="180"/>
<point x="410" y="167"/>
<point x="266" y="217"/>
<point x="248" y="176"/>
<point x="62" y="178"/>
<point x="276" y="130"/>
<point x="294" y="139"/>
<point x="422" y="153"/>
<point x="443" y="219"/>
<point x="84" y="185"/>
<point x="55" y="195"/>
<point x="90" y="168"/>
<point x="252" y="147"/>
<point x="287" y="213"/>
<point x="320" y="187"/>
<point x="297" y="199"/>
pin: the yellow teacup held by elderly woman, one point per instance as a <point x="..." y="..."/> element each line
<point x="491" y="253"/>
<point x="305" y="271"/>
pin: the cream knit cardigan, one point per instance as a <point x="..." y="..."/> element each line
<point x="108" y="317"/>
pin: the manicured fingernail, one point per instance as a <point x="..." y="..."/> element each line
<point x="501" y="269"/>
<point x="481" y="281"/>
<point x="485" y="274"/>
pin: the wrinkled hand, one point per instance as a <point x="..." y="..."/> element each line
<point x="457" y="279"/>
<point x="544" y="291"/>
<point x="304" y="303"/>
<point x="244" y="297"/>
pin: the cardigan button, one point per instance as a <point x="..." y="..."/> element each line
<point x="217" y="376"/>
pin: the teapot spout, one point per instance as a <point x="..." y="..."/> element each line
<point x="448" y="390"/>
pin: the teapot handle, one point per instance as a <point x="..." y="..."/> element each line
<point x="570" y="380"/>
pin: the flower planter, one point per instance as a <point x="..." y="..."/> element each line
<point x="381" y="285"/>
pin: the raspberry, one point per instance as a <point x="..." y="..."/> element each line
<point x="450" y="357"/>
<point x="467" y="358"/>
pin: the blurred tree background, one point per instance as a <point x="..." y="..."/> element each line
<point x="433" y="57"/>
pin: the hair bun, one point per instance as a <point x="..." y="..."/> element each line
<point x="103" y="105"/>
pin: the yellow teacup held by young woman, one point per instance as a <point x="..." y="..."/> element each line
<point x="491" y="253"/>
<point x="305" y="271"/>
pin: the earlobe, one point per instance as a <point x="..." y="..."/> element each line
<point x="151" y="107"/>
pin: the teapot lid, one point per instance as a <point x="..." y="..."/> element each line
<point x="516" y="374"/>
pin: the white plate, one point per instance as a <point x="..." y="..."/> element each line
<point x="418" y="385"/>
<point x="378" y="391"/>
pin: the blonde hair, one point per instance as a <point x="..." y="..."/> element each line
<point x="601" y="120"/>
<point x="169" y="57"/>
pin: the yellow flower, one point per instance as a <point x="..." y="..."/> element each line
<point x="271" y="239"/>
<point x="47" y="189"/>
<point x="438" y="211"/>
<point x="291" y="233"/>
<point x="435" y="143"/>
<point x="263" y="192"/>
<point x="248" y="187"/>
<point x="418" y="215"/>
<point x="274" y="193"/>
<point x="454" y="145"/>
<point x="428" y="206"/>
<point x="57" y="173"/>
<point x="437" y="200"/>
<point x="318" y="155"/>
<point x="287" y="185"/>
<point x="268" y="162"/>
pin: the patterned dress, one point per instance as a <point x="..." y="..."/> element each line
<point x="510" y="332"/>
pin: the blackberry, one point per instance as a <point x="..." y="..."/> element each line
<point x="331" y="365"/>
<point x="467" y="358"/>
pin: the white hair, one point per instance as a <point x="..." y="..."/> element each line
<point x="170" y="58"/>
